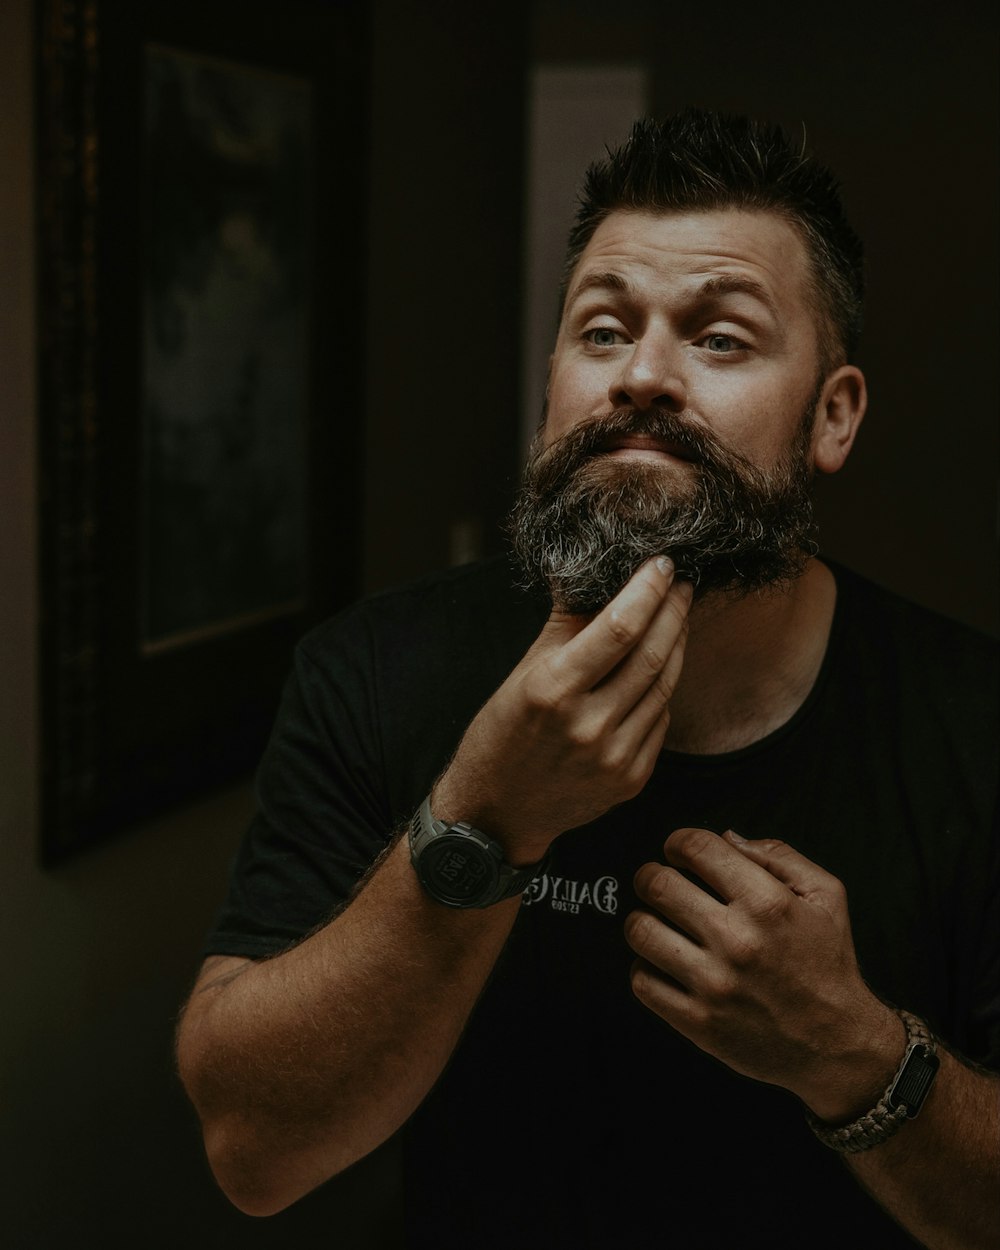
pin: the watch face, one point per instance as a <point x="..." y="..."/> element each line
<point x="458" y="871"/>
<point x="911" y="1086"/>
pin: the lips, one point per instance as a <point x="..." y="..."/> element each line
<point x="644" y="442"/>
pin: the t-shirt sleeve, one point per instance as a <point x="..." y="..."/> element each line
<point x="322" y="817"/>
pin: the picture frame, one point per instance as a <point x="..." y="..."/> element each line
<point x="201" y="215"/>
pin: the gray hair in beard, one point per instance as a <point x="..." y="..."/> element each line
<point x="583" y="523"/>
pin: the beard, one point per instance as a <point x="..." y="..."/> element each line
<point x="584" y="522"/>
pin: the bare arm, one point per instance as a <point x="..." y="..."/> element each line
<point x="765" y="978"/>
<point x="938" y="1176"/>
<point x="301" y="1064"/>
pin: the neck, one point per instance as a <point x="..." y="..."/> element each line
<point x="750" y="663"/>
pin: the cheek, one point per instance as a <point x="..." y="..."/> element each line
<point x="760" y="421"/>
<point x="567" y="405"/>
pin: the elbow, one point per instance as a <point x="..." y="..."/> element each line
<point x="247" y="1163"/>
<point x="263" y="1167"/>
<point x="251" y="1200"/>
<point x="262" y="1162"/>
<point x="258" y="1178"/>
<point x="249" y="1191"/>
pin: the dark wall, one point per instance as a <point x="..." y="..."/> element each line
<point x="900" y="99"/>
<point x="445" y="225"/>
<point x="99" y="1147"/>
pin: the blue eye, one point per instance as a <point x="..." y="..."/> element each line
<point x="602" y="336"/>
<point x="722" y="343"/>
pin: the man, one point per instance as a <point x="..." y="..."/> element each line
<point x="635" y="1017"/>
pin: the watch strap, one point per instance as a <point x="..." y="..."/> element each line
<point x="901" y="1101"/>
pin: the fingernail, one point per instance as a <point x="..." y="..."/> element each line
<point x="733" y="836"/>
<point x="665" y="564"/>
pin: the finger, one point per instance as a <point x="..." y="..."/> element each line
<point x="721" y="866"/>
<point x="680" y="901"/>
<point x="661" y="994"/>
<point x="645" y="663"/>
<point x="636" y="692"/>
<point x="643" y="690"/>
<point x="667" y="949"/>
<point x="648" y="751"/>
<point x="639" y="732"/>
<point x="643" y="757"/>
<point x="644" y="730"/>
<point x="787" y="865"/>
<point x="589" y="655"/>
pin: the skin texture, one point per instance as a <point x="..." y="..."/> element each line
<point x="300" y="1064"/>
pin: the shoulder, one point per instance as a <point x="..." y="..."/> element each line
<point x="923" y="658"/>
<point x="887" y="618"/>
<point x="420" y="660"/>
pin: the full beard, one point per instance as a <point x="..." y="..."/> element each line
<point x="584" y="522"/>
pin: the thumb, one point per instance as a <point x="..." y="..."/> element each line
<point x="653" y="577"/>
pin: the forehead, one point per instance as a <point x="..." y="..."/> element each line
<point x="652" y="250"/>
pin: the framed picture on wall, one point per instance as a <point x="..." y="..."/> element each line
<point x="201" y="225"/>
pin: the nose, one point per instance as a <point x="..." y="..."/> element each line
<point x="651" y="376"/>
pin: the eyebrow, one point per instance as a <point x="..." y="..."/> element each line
<point x="605" y="281"/>
<point x="712" y="288"/>
<point x="737" y="284"/>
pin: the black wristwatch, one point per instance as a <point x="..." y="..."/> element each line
<point x="462" y="867"/>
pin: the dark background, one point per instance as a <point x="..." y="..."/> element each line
<point x="98" y="1145"/>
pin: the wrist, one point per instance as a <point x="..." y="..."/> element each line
<point x="462" y="866"/>
<point x="900" y="1101"/>
<point x="452" y="802"/>
<point x="854" y="1075"/>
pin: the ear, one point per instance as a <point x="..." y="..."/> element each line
<point x="841" y="408"/>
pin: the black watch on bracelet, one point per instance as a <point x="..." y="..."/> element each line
<point x="462" y="867"/>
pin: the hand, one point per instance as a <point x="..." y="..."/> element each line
<point x="578" y="725"/>
<point x="765" y="979"/>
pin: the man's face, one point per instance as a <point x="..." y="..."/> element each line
<point x="705" y="314"/>
<point x="680" y="409"/>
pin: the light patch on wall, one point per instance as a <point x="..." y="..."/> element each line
<point x="573" y="113"/>
<point x="466" y="540"/>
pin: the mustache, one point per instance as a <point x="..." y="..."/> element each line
<point x="584" y="521"/>
<point x="692" y="440"/>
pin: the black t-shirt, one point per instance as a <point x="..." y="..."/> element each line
<point x="570" y="1116"/>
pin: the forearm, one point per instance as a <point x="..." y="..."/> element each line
<point x="938" y="1175"/>
<point x="301" y="1064"/>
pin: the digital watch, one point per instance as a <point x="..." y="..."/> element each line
<point x="462" y="867"/>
